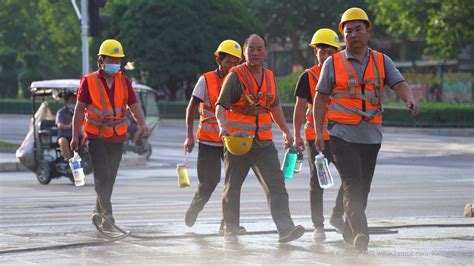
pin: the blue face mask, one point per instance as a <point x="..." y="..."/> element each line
<point x="111" y="68"/>
<point x="71" y="106"/>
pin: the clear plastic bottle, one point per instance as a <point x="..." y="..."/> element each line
<point x="324" y="175"/>
<point x="299" y="162"/>
<point x="183" y="177"/>
<point x="76" y="168"/>
<point x="289" y="163"/>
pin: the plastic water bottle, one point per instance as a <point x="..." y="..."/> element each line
<point x="289" y="163"/>
<point x="299" y="163"/>
<point x="183" y="177"/>
<point x="76" y="167"/>
<point x="324" y="175"/>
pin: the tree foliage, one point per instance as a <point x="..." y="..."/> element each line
<point x="447" y="25"/>
<point x="174" y="41"/>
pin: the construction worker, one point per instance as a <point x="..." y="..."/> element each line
<point x="248" y="102"/>
<point x="211" y="148"/>
<point x="101" y="110"/>
<point x="324" y="43"/>
<point x="352" y="81"/>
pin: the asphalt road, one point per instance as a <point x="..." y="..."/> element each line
<point x="418" y="178"/>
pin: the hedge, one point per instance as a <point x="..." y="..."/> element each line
<point x="431" y="115"/>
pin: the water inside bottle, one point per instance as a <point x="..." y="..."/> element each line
<point x="289" y="162"/>
<point x="324" y="175"/>
<point x="183" y="177"/>
<point x="77" y="170"/>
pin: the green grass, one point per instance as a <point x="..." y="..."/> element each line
<point x="4" y="144"/>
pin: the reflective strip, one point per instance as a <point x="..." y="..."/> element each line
<point x="207" y="113"/>
<point x="241" y="125"/>
<point x="265" y="126"/>
<point x="313" y="73"/>
<point x="209" y="128"/>
<point x="352" y="82"/>
<point x="350" y="110"/>
<point x="118" y="111"/>
<point x="210" y="120"/>
<point x="98" y="111"/>
<point x="370" y="96"/>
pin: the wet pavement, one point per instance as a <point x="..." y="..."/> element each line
<point x="415" y="212"/>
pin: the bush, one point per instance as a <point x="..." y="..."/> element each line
<point x="286" y="87"/>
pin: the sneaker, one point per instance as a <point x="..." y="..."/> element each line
<point x="361" y="242"/>
<point x="337" y="223"/>
<point x="291" y="235"/>
<point x="191" y="216"/>
<point x="240" y="231"/>
<point x="230" y="237"/>
<point x="318" y="234"/>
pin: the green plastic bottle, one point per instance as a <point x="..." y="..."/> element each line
<point x="289" y="163"/>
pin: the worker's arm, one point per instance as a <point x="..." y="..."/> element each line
<point x="138" y="116"/>
<point x="220" y="115"/>
<point x="77" y="121"/>
<point x="406" y="94"/>
<point x="298" y="120"/>
<point x="279" y="118"/>
<point x="190" y="115"/>
<point x="319" y="112"/>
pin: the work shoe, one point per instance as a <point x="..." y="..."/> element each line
<point x="240" y="231"/>
<point x="191" y="216"/>
<point x="318" y="234"/>
<point x="230" y="237"/>
<point x="337" y="223"/>
<point x="361" y="242"/>
<point x="291" y="235"/>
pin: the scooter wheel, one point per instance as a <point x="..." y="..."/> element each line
<point x="43" y="173"/>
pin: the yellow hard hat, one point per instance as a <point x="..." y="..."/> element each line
<point x="229" y="47"/>
<point x="238" y="144"/>
<point x="351" y="14"/>
<point x="111" y="48"/>
<point x="325" y="36"/>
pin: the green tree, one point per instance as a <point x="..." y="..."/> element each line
<point x="447" y="25"/>
<point x="295" y="21"/>
<point x="174" y="41"/>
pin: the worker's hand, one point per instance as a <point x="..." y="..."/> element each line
<point x="145" y="130"/>
<point x="189" y="144"/>
<point x="299" y="143"/>
<point x="223" y="132"/>
<point x="288" y="138"/>
<point x="74" y="144"/>
<point x="413" y="106"/>
<point x="319" y="143"/>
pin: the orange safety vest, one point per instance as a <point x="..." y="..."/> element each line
<point x="353" y="101"/>
<point x="208" y="129"/>
<point x="251" y="113"/>
<point x="309" y="128"/>
<point x="103" y="119"/>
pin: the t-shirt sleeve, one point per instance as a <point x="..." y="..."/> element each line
<point x="326" y="80"/>
<point x="83" y="95"/>
<point x="132" y="97"/>
<point x="302" y="89"/>
<point x="392" y="74"/>
<point x="200" y="89"/>
<point x="230" y="92"/>
<point x="58" y="116"/>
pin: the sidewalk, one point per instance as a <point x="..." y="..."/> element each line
<point x="9" y="163"/>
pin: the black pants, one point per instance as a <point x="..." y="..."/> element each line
<point x="266" y="166"/>
<point x="209" y="173"/>
<point x="105" y="157"/>
<point x="356" y="165"/>
<point x="315" y="191"/>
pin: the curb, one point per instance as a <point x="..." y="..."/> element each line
<point x="127" y="161"/>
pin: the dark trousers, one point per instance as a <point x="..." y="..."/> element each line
<point x="266" y="166"/>
<point x="105" y="157"/>
<point x="209" y="173"/>
<point x="315" y="191"/>
<point x="356" y="165"/>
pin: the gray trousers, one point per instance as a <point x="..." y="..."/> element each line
<point x="209" y="173"/>
<point x="266" y="166"/>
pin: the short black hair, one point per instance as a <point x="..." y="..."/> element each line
<point x="222" y="55"/>
<point x="68" y="96"/>
<point x="248" y="38"/>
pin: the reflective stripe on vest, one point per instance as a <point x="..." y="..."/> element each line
<point x="208" y="129"/>
<point x="101" y="118"/>
<point x="353" y="100"/>
<point x="251" y="113"/>
<point x="309" y="128"/>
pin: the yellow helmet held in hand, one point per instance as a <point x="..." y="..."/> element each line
<point x="351" y="14"/>
<point x="229" y="47"/>
<point x="111" y="48"/>
<point x="238" y="143"/>
<point x="325" y="36"/>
